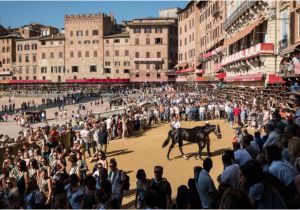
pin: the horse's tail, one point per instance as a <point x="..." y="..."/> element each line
<point x="166" y="142"/>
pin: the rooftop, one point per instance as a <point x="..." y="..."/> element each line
<point x="120" y="35"/>
<point x="54" y="37"/>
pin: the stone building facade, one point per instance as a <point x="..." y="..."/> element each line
<point x="250" y="55"/>
<point x="209" y="43"/>
<point x="84" y="37"/>
<point x="153" y="48"/>
<point x="26" y="58"/>
<point x="51" y="58"/>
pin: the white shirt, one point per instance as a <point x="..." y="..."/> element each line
<point x="230" y="175"/>
<point x="242" y="156"/>
<point x="176" y="124"/>
<point x="205" y="186"/>
<point x="84" y="134"/>
<point x="108" y="123"/>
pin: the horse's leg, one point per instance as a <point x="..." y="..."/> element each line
<point x="201" y="145"/>
<point x="180" y="149"/>
<point x="170" y="148"/>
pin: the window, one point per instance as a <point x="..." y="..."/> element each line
<point x="137" y="66"/>
<point x="44" y="78"/>
<point x="71" y="33"/>
<point x="185" y="28"/>
<point x="43" y="43"/>
<point x="158" y="30"/>
<point x="33" y="58"/>
<point x="26" y="47"/>
<point x="79" y="54"/>
<point x="158" y="40"/>
<point x="3" y="49"/>
<point x="137" y="54"/>
<point x="86" y="32"/>
<point x="71" y="42"/>
<point x="19" y="47"/>
<point x="137" y="41"/>
<point x="126" y="71"/>
<point x="107" y="71"/>
<point x="136" y="30"/>
<point x="8" y="60"/>
<point x="107" y="53"/>
<point x="86" y="42"/>
<point x="158" y="54"/>
<point x="107" y="63"/>
<point x="44" y="70"/>
<point x="137" y="75"/>
<point x="34" y="69"/>
<point x="34" y="77"/>
<point x="126" y="63"/>
<point x="52" y="55"/>
<point x="116" y="52"/>
<point x="116" y="40"/>
<point x="87" y="54"/>
<point x="8" y="49"/>
<point x="93" y="68"/>
<point x="158" y="66"/>
<point x="95" y="41"/>
<point x="117" y="71"/>
<point x="147" y="74"/>
<point x="71" y="54"/>
<point x="117" y="63"/>
<point x="95" y="54"/>
<point x="79" y="33"/>
<point x="75" y="69"/>
<point x="147" y="40"/>
<point x="107" y="41"/>
<point x="60" y="54"/>
<point x="158" y="75"/>
<point x="126" y="52"/>
<point x="95" y="32"/>
<point x="147" y="30"/>
<point x="79" y="42"/>
<point x="27" y="78"/>
<point x="51" y="43"/>
<point x="126" y="40"/>
<point x="147" y="54"/>
<point x="34" y="46"/>
<point x="148" y="66"/>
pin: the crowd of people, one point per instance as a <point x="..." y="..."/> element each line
<point x="261" y="170"/>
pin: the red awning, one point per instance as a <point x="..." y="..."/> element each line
<point x="205" y="79"/>
<point x="275" y="79"/>
<point x="29" y="81"/>
<point x="185" y="70"/>
<point x="183" y="64"/>
<point x="221" y="75"/>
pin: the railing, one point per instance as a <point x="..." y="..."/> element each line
<point x="261" y="48"/>
<point x="238" y="12"/>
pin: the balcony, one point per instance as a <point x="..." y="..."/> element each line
<point x="256" y="50"/>
<point x="244" y="6"/>
<point x="6" y="73"/>
<point x="144" y="60"/>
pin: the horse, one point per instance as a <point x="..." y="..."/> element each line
<point x="199" y="135"/>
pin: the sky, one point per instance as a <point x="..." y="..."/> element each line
<point x="18" y="13"/>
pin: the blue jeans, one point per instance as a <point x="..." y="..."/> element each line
<point x="88" y="145"/>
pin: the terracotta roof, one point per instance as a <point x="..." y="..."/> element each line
<point x="120" y="35"/>
<point x="10" y="36"/>
<point x="55" y="37"/>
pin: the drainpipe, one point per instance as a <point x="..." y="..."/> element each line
<point x="276" y="42"/>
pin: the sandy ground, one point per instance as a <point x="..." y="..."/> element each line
<point x="145" y="151"/>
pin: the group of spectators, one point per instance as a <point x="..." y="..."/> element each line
<point x="261" y="171"/>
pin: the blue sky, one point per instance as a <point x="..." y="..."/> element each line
<point x="18" y="13"/>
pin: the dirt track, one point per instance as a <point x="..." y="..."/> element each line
<point x="145" y="151"/>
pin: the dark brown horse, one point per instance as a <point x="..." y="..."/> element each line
<point x="199" y="135"/>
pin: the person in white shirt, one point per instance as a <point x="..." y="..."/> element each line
<point x="175" y="123"/>
<point x="230" y="173"/>
<point x="205" y="185"/>
<point x="85" y="136"/>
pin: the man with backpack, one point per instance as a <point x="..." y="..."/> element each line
<point x="119" y="181"/>
<point x="162" y="187"/>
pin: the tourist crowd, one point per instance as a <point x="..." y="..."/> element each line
<point x="261" y="171"/>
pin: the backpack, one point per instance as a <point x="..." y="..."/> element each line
<point x="126" y="181"/>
